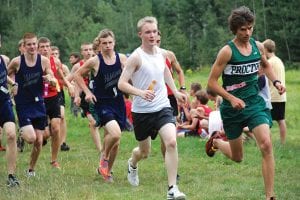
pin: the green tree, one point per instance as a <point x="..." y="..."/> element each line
<point x="191" y="22"/>
<point x="193" y="29"/>
<point x="283" y="26"/>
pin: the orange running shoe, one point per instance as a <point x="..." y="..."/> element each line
<point x="103" y="168"/>
<point x="108" y="179"/>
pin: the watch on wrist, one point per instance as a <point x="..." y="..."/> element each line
<point x="182" y="88"/>
<point x="276" y="81"/>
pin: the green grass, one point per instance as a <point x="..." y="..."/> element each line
<point x="201" y="177"/>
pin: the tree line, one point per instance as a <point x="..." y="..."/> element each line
<point x="194" y="29"/>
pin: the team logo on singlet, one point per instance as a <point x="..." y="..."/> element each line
<point x="241" y="69"/>
<point x="31" y="78"/>
<point x="111" y="79"/>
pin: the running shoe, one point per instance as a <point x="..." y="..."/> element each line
<point x="108" y="178"/>
<point x="132" y="176"/>
<point x="175" y="194"/>
<point x="30" y="173"/>
<point x="12" y="181"/>
<point x="209" y="146"/>
<point x="103" y="168"/>
<point x="64" y="147"/>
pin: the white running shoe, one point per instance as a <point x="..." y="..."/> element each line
<point x="132" y="175"/>
<point x="175" y="194"/>
<point x="29" y="174"/>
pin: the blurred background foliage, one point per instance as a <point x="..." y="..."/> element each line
<point x="194" y="29"/>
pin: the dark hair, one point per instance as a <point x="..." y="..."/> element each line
<point x="196" y="87"/>
<point x="239" y="17"/>
<point x="75" y="54"/>
<point x="202" y="96"/>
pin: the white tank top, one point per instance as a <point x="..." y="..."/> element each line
<point x="152" y="68"/>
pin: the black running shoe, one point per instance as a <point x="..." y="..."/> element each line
<point x="64" y="147"/>
<point x="12" y="181"/>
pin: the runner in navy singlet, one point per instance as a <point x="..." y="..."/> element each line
<point x="7" y="122"/>
<point x="108" y="99"/>
<point x="29" y="70"/>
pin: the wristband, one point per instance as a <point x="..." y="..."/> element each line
<point x="276" y="81"/>
<point x="182" y="88"/>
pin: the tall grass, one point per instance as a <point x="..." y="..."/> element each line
<point x="201" y="177"/>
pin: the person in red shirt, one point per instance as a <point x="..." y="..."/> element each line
<point x="128" y="105"/>
<point x="51" y="98"/>
<point x="200" y="115"/>
<point x="63" y="124"/>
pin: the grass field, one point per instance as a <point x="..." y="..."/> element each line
<point x="202" y="178"/>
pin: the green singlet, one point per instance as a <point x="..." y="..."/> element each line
<point x="240" y="79"/>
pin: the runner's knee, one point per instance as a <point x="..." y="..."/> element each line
<point x="11" y="135"/>
<point x="171" y="144"/>
<point x="265" y="146"/>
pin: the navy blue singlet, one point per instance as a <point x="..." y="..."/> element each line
<point x="110" y="102"/>
<point x="30" y="82"/>
<point x="106" y="80"/>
